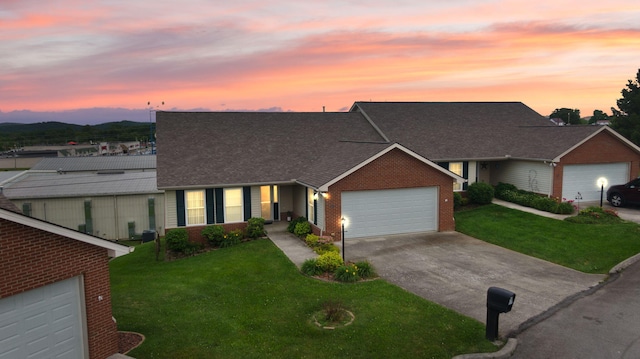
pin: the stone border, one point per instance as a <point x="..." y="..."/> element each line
<point x="353" y="317"/>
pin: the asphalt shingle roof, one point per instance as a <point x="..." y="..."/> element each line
<point x="222" y="148"/>
<point x="197" y="149"/>
<point x="443" y="131"/>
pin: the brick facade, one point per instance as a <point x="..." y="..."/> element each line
<point x="32" y="258"/>
<point x="395" y="169"/>
<point x="602" y="148"/>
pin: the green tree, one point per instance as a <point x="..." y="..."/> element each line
<point x="569" y="116"/>
<point x="598" y="116"/>
<point x="626" y="118"/>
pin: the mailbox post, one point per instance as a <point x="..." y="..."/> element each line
<point x="498" y="301"/>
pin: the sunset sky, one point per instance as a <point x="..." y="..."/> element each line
<point x="60" y="55"/>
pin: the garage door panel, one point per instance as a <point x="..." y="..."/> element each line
<point x="45" y="322"/>
<point x="583" y="178"/>
<point x="382" y="212"/>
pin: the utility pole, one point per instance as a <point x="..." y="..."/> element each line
<point x="151" y="139"/>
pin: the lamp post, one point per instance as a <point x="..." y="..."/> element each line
<point x="151" y="123"/>
<point x="602" y="183"/>
<point x="342" y="220"/>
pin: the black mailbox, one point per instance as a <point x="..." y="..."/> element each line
<point x="500" y="300"/>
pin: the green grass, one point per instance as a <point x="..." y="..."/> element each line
<point x="250" y="301"/>
<point x="590" y="248"/>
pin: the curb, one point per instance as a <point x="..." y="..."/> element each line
<point x="503" y="353"/>
<point x="624" y="264"/>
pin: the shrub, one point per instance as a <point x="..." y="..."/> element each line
<point x="457" y="200"/>
<point x="302" y="229"/>
<point x="333" y="311"/>
<point x="325" y="247"/>
<point x="347" y="273"/>
<point x="480" y="193"/>
<point x="502" y="187"/>
<point x="292" y="225"/>
<point x="232" y="238"/>
<point x="596" y="215"/>
<point x="214" y="234"/>
<point x="311" y="240"/>
<point x="365" y="269"/>
<point x="310" y="267"/>
<point x="255" y="228"/>
<point x="329" y="261"/>
<point x="177" y="240"/>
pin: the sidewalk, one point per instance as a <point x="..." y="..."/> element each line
<point x="292" y="246"/>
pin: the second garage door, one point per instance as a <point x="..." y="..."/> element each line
<point x="582" y="179"/>
<point x="392" y="211"/>
<point x="43" y="323"/>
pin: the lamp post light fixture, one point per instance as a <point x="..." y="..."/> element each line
<point x="342" y="220"/>
<point x="602" y="183"/>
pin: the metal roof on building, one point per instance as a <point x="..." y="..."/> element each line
<point x="95" y="163"/>
<point x="55" y="185"/>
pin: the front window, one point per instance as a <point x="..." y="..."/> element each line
<point x="195" y="207"/>
<point x="311" y="197"/>
<point x="456" y="167"/>
<point x="233" y="205"/>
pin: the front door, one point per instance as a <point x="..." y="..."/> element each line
<point x="269" y="203"/>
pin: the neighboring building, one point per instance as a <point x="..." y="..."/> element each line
<point x="55" y="297"/>
<point x="386" y="167"/>
<point x="112" y="197"/>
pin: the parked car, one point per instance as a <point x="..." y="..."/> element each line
<point x="623" y="194"/>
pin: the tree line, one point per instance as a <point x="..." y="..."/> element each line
<point x="625" y="119"/>
<point x="13" y="135"/>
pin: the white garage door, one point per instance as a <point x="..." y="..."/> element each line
<point x="43" y="323"/>
<point x="583" y="179"/>
<point x="393" y="211"/>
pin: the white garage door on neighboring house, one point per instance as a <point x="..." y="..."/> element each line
<point x="583" y="179"/>
<point x="392" y="211"/>
<point x="45" y="322"/>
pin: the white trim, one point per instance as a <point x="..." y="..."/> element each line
<point x="115" y="250"/>
<point x="602" y="128"/>
<point x="325" y="187"/>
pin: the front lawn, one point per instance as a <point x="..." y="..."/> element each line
<point x="590" y="248"/>
<point x="250" y="301"/>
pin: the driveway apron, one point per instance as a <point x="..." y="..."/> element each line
<point x="455" y="270"/>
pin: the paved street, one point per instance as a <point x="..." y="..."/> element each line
<point x="604" y="324"/>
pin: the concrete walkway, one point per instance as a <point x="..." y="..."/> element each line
<point x="292" y="246"/>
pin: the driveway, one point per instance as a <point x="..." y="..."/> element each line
<point x="456" y="270"/>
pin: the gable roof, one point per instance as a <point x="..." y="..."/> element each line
<point x="260" y="148"/>
<point x="444" y="131"/>
<point x="7" y="213"/>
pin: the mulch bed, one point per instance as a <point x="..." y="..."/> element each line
<point x="128" y="341"/>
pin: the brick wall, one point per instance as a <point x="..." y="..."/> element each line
<point x="602" y="148"/>
<point x="395" y="169"/>
<point x="31" y="258"/>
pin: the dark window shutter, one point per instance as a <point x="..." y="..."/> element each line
<point x="151" y="204"/>
<point x="219" y="205"/>
<point x="315" y="211"/>
<point x="246" y="198"/>
<point x="210" y="205"/>
<point x="180" y="209"/>
<point x="465" y="174"/>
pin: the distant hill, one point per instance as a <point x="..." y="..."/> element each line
<point x="58" y="133"/>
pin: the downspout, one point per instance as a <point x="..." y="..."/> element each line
<point x="115" y="216"/>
